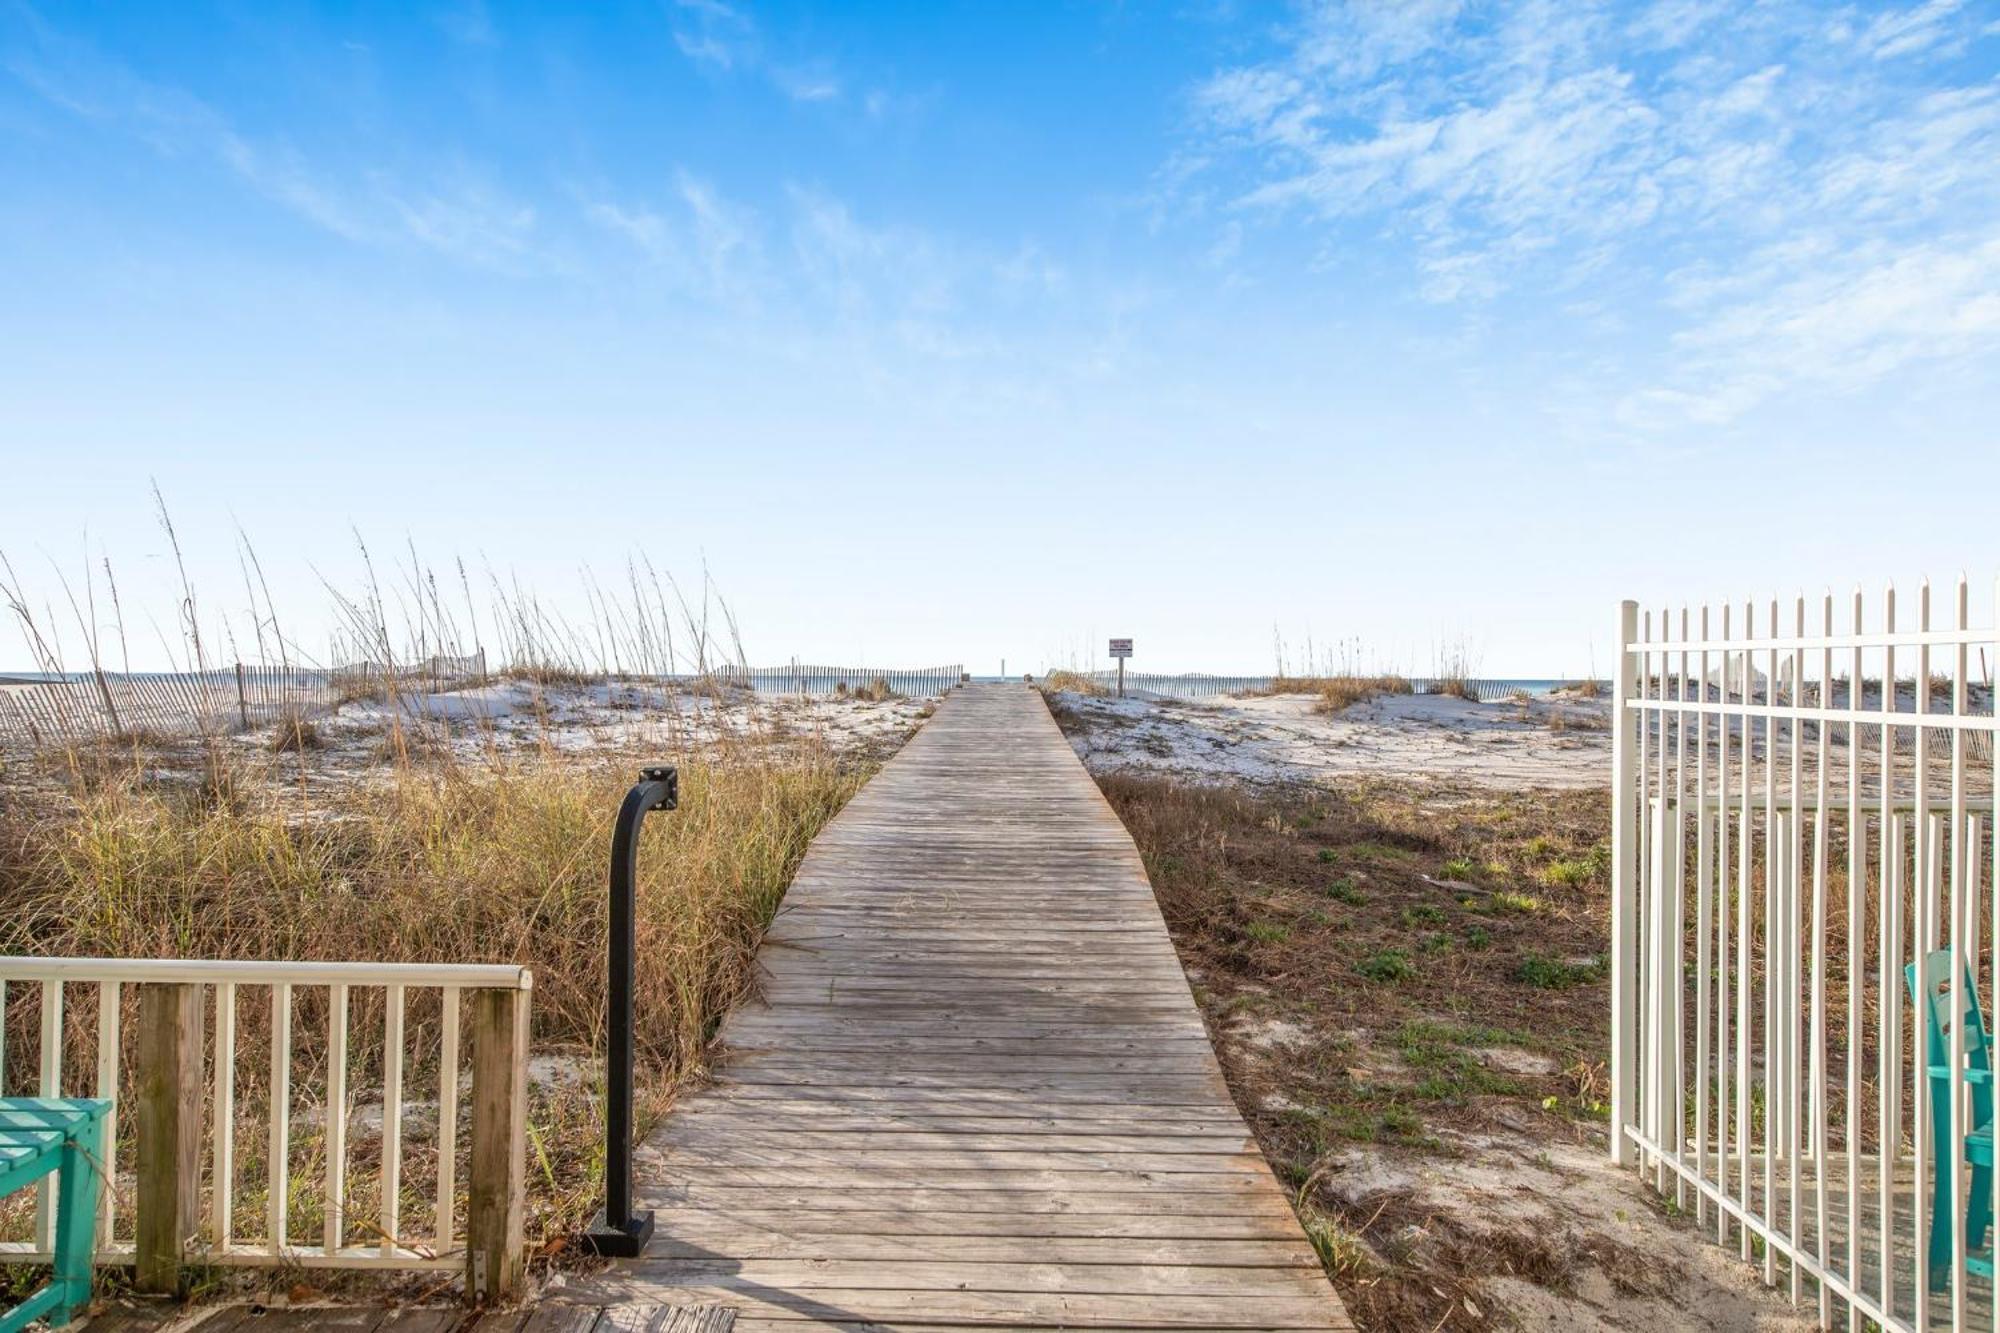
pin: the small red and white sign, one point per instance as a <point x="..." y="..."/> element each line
<point x="1121" y="647"/>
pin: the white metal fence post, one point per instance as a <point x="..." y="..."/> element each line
<point x="1624" y="895"/>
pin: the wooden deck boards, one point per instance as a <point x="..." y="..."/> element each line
<point x="975" y="1091"/>
<point x="548" y="1317"/>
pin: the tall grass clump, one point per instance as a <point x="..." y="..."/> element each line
<point x="1338" y="692"/>
<point x="503" y="862"/>
<point x="1457" y="672"/>
<point x="1064" y="681"/>
<point x="408" y="836"/>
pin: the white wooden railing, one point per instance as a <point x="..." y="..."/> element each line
<point x="1799" y="813"/>
<point x="177" y="1079"/>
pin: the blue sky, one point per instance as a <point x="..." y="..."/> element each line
<point x="955" y="332"/>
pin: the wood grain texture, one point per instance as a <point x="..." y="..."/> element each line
<point x="496" y="1204"/>
<point x="974" y="1090"/>
<point x="551" y="1317"/>
<point x="169" y="1133"/>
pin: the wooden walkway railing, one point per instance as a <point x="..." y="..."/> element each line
<point x="976" y="1091"/>
<point x="218" y="1073"/>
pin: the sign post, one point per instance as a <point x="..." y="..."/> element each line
<point x="1121" y="649"/>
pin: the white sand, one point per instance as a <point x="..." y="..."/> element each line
<point x="1280" y="738"/>
<point x="519" y="716"/>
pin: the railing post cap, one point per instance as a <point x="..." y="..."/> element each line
<point x="669" y="779"/>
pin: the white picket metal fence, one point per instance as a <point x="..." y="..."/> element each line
<point x="293" y="1105"/>
<point x="1804" y="803"/>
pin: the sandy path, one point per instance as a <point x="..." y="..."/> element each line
<point x="1280" y="738"/>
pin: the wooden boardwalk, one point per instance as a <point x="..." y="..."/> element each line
<point x="549" y="1317"/>
<point x="976" y="1091"/>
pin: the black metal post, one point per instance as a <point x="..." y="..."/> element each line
<point x="618" y="1232"/>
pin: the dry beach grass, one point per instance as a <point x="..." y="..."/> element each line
<point x="276" y="847"/>
<point x="428" y="821"/>
<point x="1381" y="967"/>
<point x="1337" y="693"/>
<point x="442" y="862"/>
<point x="1404" y="977"/>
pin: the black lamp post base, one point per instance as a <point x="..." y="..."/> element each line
<point x="626" y="1242"/>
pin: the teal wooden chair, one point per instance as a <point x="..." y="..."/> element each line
<point x="1933" y="994"/>
<point x="64" y="1138"/>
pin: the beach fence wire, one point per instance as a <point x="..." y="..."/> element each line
<point x="1804" y="804"/>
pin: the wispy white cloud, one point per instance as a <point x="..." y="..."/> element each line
<point x="280" y="174"/>
<point x="1906" y="32"/>
<point x="723" y="238"/>
<point x="806" y="84"/>
<point x="900" y="311"/>
<point x="806" y="270"/>
<point x="451" y="210"/>
<point x="1837" y="323"/>
<point x="1538" y="146"/>
<point x="704" y="245"/>
<point x="726" y="40"/>
<point x="472" y="222"/>
<point x="711" y="33"/>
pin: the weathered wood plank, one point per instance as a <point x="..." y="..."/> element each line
<point x="831" y="1220"/>
<point x="1163" y="1200"/>
<point x="666" y="1319"/>
<point x="785" y="1242"/>
<point x="894" y="1139"/>
<point x="123" y="1318"/>
<point x="1296" y="1308"/>
<point x="842" y="1275"/>
<point x="1003" y="1042"/>
<point x="424" y="1319"/>
<point x="1086" y="1178"/>
<point x="973" y="1089"/>
<point x="309" y="1319"/>
<point x="1075" y="1117"/>
<point x="770" y="1322"/>
<point x="1216" y="1161"/>
<point x="169" y="1132"/>
<point x="507" y="1321"/>
<point x="496" y="1202"/>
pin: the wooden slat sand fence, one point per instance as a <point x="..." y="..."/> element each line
<point x="83" y="707"/>
<point x="809" y="680"/>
